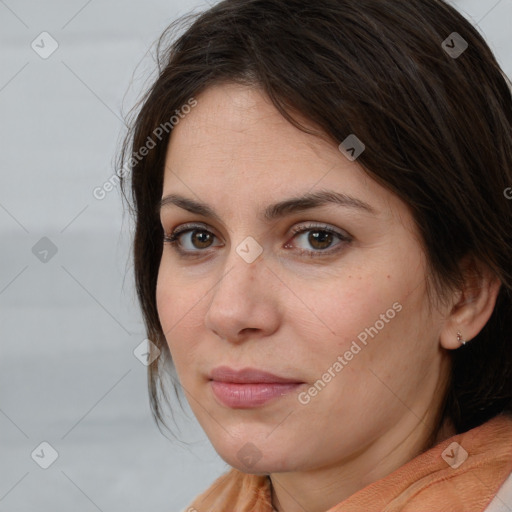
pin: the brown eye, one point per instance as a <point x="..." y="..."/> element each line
<point x="194" y="241"/>
<point x="201" y="239"/>
<point x="314" y="240"/>
<point x="320" y="239"/>
<point x="197" y="239"/>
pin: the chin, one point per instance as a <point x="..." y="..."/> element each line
<point x="253" y="458"/>
<point x="261" y="467"/>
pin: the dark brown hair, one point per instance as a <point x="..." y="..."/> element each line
<point x="437" y="129"/>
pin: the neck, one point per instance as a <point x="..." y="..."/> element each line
<point x="321" y="489"/>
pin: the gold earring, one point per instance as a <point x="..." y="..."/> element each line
<point x="460" y="339"/>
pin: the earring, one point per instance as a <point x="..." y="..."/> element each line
<point x="460" y="339"/>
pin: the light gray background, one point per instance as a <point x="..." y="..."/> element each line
<point x="69" y="326"/>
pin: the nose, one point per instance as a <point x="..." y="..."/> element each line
<point x="244" y="302"/>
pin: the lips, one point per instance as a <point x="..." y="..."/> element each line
<point x="249" y="388"/>
<point x="248" y="376"/>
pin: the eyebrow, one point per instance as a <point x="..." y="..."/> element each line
<point x="274" y="211"/>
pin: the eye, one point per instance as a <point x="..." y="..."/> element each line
<point x="193" y="240"/>
<point x="189" y="237"/>
<point x="320" y="238"/>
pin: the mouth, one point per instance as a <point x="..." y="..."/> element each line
<point x="249" y="387"/>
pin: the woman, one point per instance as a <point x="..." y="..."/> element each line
<point x="323" y="245"/>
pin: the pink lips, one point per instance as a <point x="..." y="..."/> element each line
<point x="249" y="387"/>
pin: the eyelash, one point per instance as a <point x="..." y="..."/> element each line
<point x="173" y="240"/>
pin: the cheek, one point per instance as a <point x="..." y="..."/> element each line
<point x="371" y="367"/>
<point x="348" y="305"/>
<point x="360" y="316"/>
<point x="383" y="342"/>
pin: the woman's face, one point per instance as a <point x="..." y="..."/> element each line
<point x="338" y="310"/>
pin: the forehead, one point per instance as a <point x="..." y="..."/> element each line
<point x="236" y="147"/>
<point x="235" y="121"/>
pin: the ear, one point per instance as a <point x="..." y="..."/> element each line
<point x="472" y="306"/>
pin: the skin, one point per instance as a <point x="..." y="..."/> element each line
<point x="293" y="315"/>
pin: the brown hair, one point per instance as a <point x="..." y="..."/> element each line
<point x="437" y="129"/>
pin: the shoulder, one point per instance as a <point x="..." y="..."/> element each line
<point x="502" y="502"/>
<point x="243" y="491"/>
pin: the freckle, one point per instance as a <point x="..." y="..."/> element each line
<point x="389" y="276"/>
